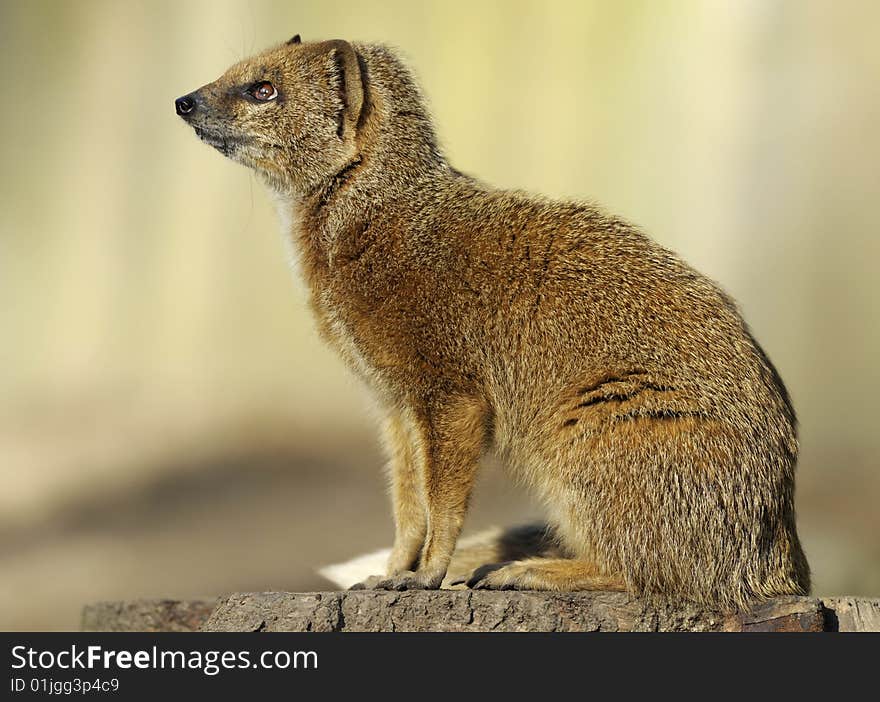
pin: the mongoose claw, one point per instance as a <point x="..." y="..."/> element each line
<point x="497" y="576"/>
<point x="405" y="580"/>
<point x="368" y="584"/>
<point x="408" y="580"/>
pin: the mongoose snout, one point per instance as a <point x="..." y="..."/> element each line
<point x="616" y="381"/>
<point x="184" y="105"/>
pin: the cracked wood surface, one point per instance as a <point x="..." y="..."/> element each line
<point x="467" y="610"/>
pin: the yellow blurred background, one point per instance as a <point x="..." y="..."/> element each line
<point x="171" y="426"/>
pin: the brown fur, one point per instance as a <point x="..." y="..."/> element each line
<point x="621" y="385"/>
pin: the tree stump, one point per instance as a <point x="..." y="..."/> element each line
<point x="478" y="610"/>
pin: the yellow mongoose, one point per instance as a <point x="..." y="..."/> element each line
<point x="621" y="385"/>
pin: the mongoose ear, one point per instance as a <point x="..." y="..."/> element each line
<point x="351" y="83"/>
<point x="295" y="39"/>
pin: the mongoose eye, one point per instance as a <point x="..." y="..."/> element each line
<point x="263" y="91"/>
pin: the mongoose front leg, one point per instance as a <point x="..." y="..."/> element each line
<point x="407" y="496"/>
<point x="450" y="436"/>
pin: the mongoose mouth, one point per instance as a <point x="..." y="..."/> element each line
<point x="224" y="144"/>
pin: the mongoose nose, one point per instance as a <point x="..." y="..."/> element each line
<point x="184" y="105"/>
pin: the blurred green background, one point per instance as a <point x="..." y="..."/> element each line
<point x="170" y="425"/>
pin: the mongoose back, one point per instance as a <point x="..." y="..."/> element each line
<point x="618" y="383"/>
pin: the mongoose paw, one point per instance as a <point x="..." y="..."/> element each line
<point x="454" y="580"/>
<point x="504" y="576"/>
<point x="368" y="584"/>
<point x="405" y="580"/>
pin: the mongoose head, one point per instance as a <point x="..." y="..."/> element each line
<point x="290" y="113"/>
